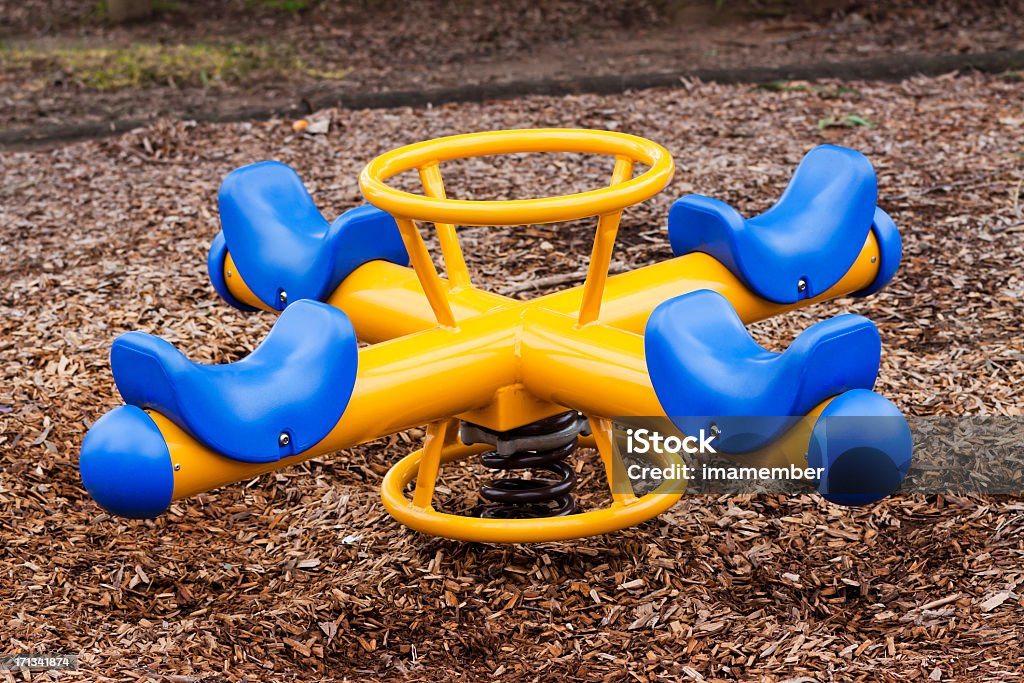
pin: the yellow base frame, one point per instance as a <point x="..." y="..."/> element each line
<point x="443" y="350"/>
<point x="623" y="512"/>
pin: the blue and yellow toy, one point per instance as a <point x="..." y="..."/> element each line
<point x="522" y="384"/>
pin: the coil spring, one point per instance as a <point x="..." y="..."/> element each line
<point x="542" y="445"/>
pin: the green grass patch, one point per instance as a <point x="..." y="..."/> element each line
<point x="113" y="68"/>
<point x="283" y="6"/>
<point x="785" y="86"/>
<point x="842" y="90"/>
<point x="830" y="92"/>
<point x="848" y="121"/>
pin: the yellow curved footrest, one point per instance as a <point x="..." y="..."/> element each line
<point x="618" y="515"/>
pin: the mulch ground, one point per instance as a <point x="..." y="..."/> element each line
<point x="300" y="575"/>
<point x="388" y="45"/>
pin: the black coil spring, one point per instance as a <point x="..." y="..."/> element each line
<point x="518" y="498"/>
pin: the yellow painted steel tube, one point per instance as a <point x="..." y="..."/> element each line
<point x="626" y="509"/>
<point x="430" y="521"/>
<point x="384" y="300"/>
<point x="597" y="369"/>
<point x="601" y="253"/>
<point x="454" y="262"/>
<point x="433" y="287"/>
<point x="399" y="384"/>
<point x="631" y="297"/>
<point x="523" y="211"/>
<point x="440" y="373"/>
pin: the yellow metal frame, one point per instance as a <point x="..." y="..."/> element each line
<point x="443" y="350"/>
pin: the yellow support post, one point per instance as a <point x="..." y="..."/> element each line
<point x="426" y="475"/>
<point x="454" y="262"/>
<point x="435" y="290"/>
<point x="601" y="255"/>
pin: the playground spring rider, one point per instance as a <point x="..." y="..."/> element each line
<point x="522" y="384"/>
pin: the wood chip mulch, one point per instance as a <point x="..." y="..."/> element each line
<point x="300" y="575"/>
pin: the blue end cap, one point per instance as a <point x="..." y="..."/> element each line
<point x="215" y="267"/>
<point x="864" y="445"/>
<point x="125" y="464"/>
<point x="800" y="247"/>
<point x="281" y="243"/>
<point x="890" y="248"/>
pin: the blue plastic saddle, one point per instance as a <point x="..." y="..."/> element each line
<point x="802" y="245"/>
<point x="706" y="368"/>
<point x="296" y="383"/>
<point x="283" y="247"/>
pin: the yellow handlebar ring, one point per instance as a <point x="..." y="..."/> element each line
<point x="522" y="211"/>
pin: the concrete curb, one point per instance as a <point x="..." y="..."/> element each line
<point x="891" y="67"/>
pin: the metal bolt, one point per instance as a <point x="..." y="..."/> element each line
<point x="874" y="259"/>
<point x="801" y="285"/>
<point x="284" y="439"/>
<point x="715" y="430"/>
<point x="229" y="272"/>
<point x="177" y="467"/>
<point x="283" y="296"/>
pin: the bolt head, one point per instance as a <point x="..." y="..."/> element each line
<point x="801" y="285"/>
<point x="284" y="439"/>
<point x="715" y="430"/>
<point x="283" y="297"/>
<point x="177" y="467"/>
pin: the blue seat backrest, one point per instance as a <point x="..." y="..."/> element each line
<point x="298" y="381"/>
<point x="706" y="368"/>
<point x="280" y="242"/>
<point x="812" y="235"/>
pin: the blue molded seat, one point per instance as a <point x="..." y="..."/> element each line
<point x="297" y="382"/>
<point x="706" y="368"/>
<point x="813" y="234"/>
<point x="280" y="242"/>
